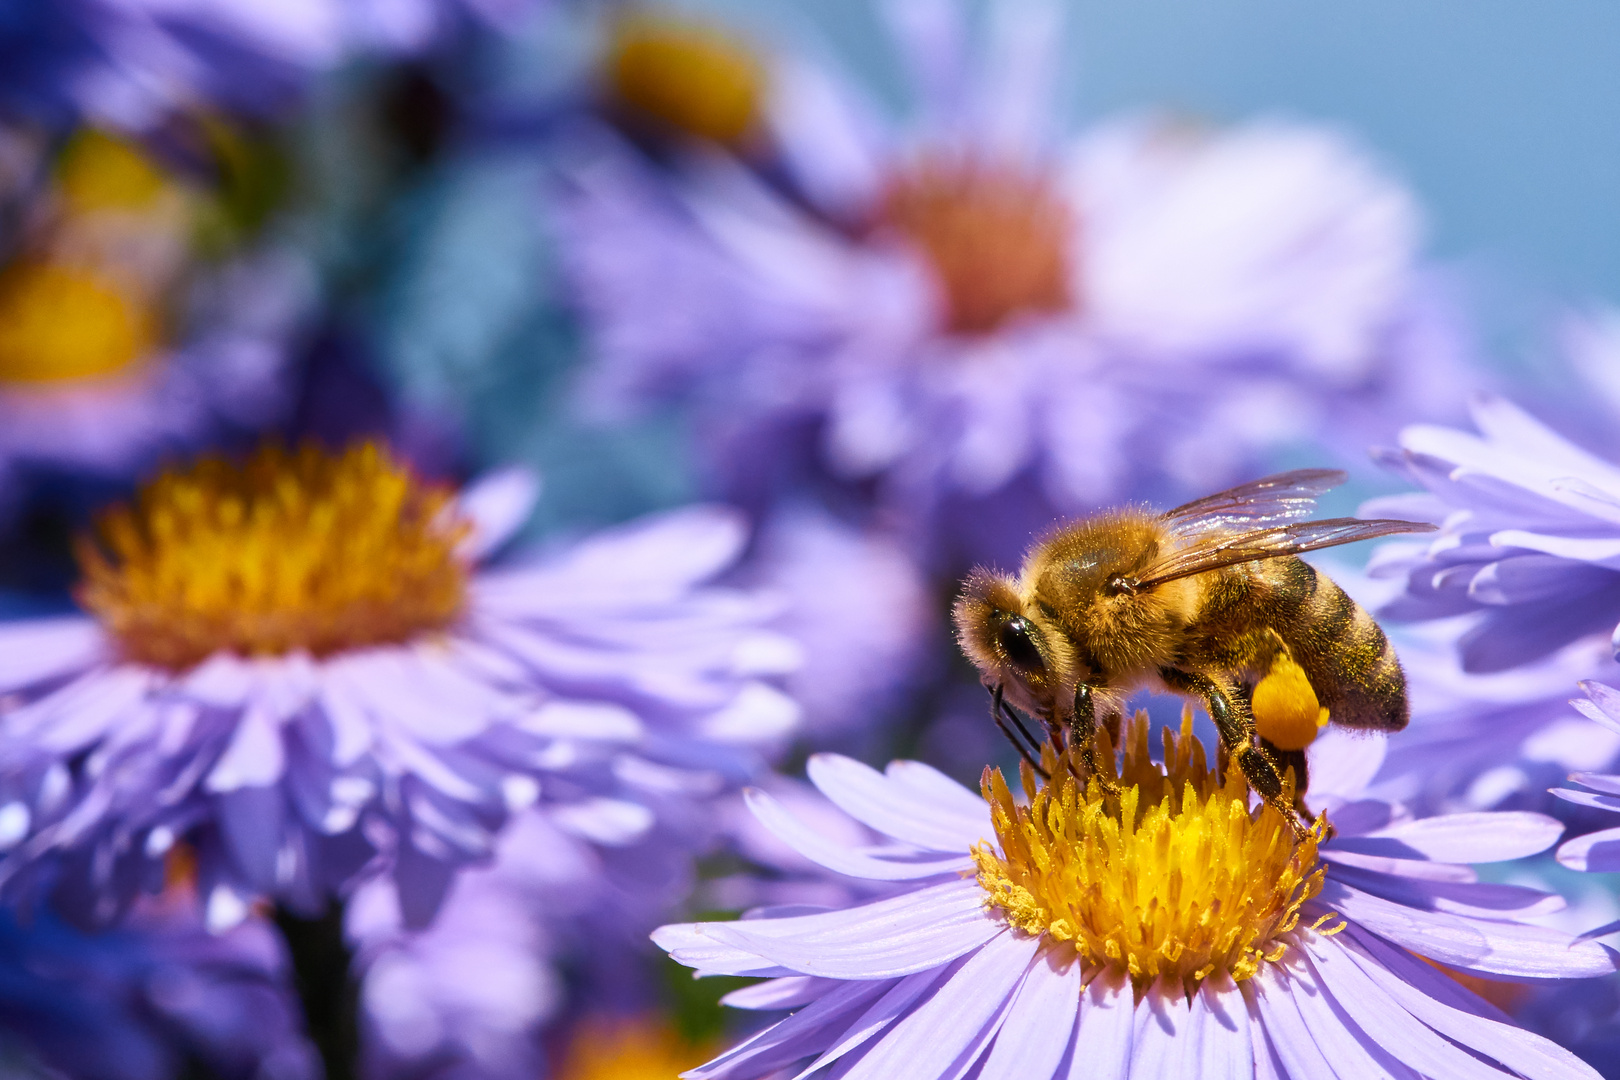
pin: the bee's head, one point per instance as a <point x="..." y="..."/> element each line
<point x="1013" y="644"/>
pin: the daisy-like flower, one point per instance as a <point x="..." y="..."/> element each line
<point x="1529" y="540"/>
<point x="116" y="343"/>
<point x="1170" y="928"/>
<point x="300" y="664"/>
<point x="969" y="311"/>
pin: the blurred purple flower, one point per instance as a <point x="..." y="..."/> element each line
<point x="596" y="685"/>
<point x="138" y="1002"/>
<point x="1596" y="851"/>
<point x="933" y="981"/>
<point x="860" y="610"/>
<point x="971" y="311"/>
<point x="1529" y="542"/>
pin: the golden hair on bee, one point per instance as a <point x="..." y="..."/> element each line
<point x="1207" y="601"/>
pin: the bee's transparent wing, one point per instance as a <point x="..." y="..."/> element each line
<point x="1218" y="550"/>
<point x="1282" y="497"/>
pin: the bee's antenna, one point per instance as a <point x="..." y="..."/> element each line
<point x="1000" y="709"/>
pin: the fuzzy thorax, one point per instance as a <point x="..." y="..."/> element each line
<point x="288" y="551"/>
<point x="1174" y="876"/>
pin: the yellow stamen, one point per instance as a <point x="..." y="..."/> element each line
<point x="100" y="172"/>
<point x="304" y="550"/>
<point x="1173" y="876"/>
<point x="1286" y="712"/>
<point x="631" y="1049"/>
<point x="688" y="76"/>
<point x="59" y="323"/>
<point x="997" y="238"/>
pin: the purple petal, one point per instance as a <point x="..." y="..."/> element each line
<point x="1107" y="1027"/>
<point x="899" y="935"/>
<point x="1597" y="852"/>
<point x="786" y="993"/>
<point x="1596" y="800"/>
<point x="79" y="713"/>
<point x="1219" y="1026"/>
<point x="882" y="1013"/>
<point x="1607" y="784"/>
<point x="894" y="809"/>
<point x="1606" y="700"/>
<point x="795" y="1038"/>
<point x="1500" y="948"/>
<point x="1040" y="1026"/>
<point x="34" y="650"/>
<point x="1432" y="998"/>
<point x="253" y="758"/>
<point x="1288" y="1034"/>
<point x="939" y="788"/>
<point x="835" y="856"/>
<point x="497" y="504"/>
<point x="1478" y="837"/>
<point x="941" y="1035"/>
<point x="1160" y="1044"/>
<point x="1376" y="1013"/>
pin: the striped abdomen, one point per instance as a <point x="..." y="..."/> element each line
<point x="1346" y="656"/>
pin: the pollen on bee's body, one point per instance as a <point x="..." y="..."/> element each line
<point x="996" y="237"/>
<point x="1173" y="875"/>
<point x="303" y="550"/>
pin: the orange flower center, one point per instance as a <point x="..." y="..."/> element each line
<point x="997" y="238"/>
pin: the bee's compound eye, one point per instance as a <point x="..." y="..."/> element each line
<point x="1018" y="643"/>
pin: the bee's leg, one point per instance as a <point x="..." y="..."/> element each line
<point x="1083" y="733"/>
<point x="998" y="709"/>
<point x="1237" y="732"/>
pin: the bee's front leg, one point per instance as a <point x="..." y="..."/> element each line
<point x="1083" y="734"/>
<point x="1237" y="732"/>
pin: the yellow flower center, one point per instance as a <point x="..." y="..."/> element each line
<point x="305" y="550"/>
<point x="58" y="323"/>
<point x="997" y="238"/>
<point x="100" y="172"/>
<point x="1175" y="875"/>
<point x="688" y="76"/>
<point x="630" y="1049"/>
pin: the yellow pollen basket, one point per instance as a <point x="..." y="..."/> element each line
<point x="59" y="323"/>
<point x="1286" y="712"/>
<point x="997" y="238"/>
<point x="688" y="76"/>
<point x="1175" y="876"/>
<point x="304" y="550"/>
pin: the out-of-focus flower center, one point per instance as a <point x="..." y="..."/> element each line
<point x="100" y="172"/>
<point x="1175" y="876"/>
<point x="997" y="238"/>
<point x="688" y="76"/>
<point x="642" y="1048"/>
<point x="305" y="550"/>
<point x="60" y="323"/>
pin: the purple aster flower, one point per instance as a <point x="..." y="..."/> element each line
<point x="301" y="664"/>
<point x="115" y="343"/>
<point x="1168" y="929"/>
<point x="861" y="611"/>
<point x="1529" y="542"/>
<point x="961" y="317"/>
<point x="136" y="1002"/>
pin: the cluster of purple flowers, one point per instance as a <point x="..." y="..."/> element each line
<point x="460" y="459"/>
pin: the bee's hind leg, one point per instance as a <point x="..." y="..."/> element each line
<point x="1236" y="726"/>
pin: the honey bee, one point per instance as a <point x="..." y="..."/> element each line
<point x="1206" y="601"/>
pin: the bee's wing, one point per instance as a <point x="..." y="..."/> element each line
<point x="1217" y="550"/>
<point x="1282" y="497"/>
